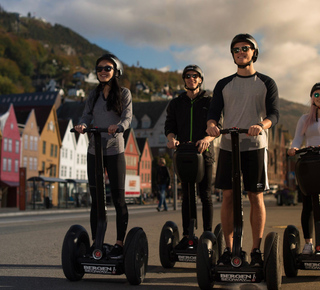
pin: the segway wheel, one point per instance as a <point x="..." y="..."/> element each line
<point x="169" y="238"/>
<point x="136" y="256"/>
<point x="206" y="260"/>
<point x="75" y="245"/>
<point x="220" y="244"/>
<point x="291" y="249"/>
<point x="272" y="264"/>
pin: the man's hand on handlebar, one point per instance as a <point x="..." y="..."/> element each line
<point x="172" y="143"/>
<point x="80" y="128"/>
<point x="254" y="130"/>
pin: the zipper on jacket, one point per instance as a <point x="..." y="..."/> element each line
<point x="191" y="119"/>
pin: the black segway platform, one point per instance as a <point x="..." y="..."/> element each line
<point x="307" y="174"/>
<point x="239" y="271"/>
<point x="189" y="167"/>
<point x="79" y="258"/>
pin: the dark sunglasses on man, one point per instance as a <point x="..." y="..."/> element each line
<point x="194" y="76"/>
<point x="238" y="49"/>
<point x="105" y="68"/>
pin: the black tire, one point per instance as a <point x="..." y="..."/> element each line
<point x="169" y="238"/>
<point x="220" y="244"/>
<point x="136" y="256"/>
<point x="291" y="250"/>
<point x="206" y="260"/>
<point x="75" y="245"/>
<point x="272" y="264"/>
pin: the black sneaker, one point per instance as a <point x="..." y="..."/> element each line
<point x="116" y="252"/>
<point x="256" y="258"/>
<point x="225" y="258"/>
<point x="183" y="244"/>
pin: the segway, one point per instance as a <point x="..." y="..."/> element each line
<point x="239" y="271"/>
<point x="307" y="174"/>
<point x="77" y="256"/>
<point x="189" y="167"/>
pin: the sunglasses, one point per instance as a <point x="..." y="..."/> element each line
<point x="105" y="68"/>
<point x="238" y="49"/>
<point x="316" y="95"/>
<point x="194" y="76"/>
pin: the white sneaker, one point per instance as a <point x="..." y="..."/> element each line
<point x="307" y="249"/>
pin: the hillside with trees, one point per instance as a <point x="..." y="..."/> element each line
<point x="33" y="51"/>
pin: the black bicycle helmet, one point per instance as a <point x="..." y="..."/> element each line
<point x="315" y="87"/>
<point x="194" y="68"/>
<point x="245" y="37"/>
<point x="118" y="67"/>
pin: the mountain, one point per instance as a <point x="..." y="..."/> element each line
<point x="290" y="113"/>
<point x="32" y="50"/>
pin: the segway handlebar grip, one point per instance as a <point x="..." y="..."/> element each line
<point x="93" y="130"/>
<point x="309" y="148"/>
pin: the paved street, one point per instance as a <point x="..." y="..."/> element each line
<point x="30" y="252"/>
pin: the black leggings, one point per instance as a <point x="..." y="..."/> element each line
<point x="308" y="218"/>
<point x="206" y="199"/>
<point x="116" y="169"/>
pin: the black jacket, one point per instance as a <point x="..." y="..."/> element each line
<point x="187" y="119"/>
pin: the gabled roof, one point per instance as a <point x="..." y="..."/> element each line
<point x="142" y="142"/>
<point x="126" y="135"/>
<point x="152" y="109"/>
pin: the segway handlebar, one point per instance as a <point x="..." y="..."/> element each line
<point x="234" y="129"/>
<point x="308" y="149"/>
<point x="93" y="130"/>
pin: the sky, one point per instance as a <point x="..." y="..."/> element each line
<point x="170" y="34"/>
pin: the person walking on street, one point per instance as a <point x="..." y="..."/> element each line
<point x="163" y="182"/>
<point x="109" y="106"/>
<point x="186" y="122"/>
<point x="308" y="129"/>
<point x="249" y="100"/>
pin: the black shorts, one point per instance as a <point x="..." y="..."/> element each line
<point x="253" y="168"/>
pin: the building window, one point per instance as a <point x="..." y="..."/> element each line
<point x="131" y="148"/>
<point x="55" y="150"/>
<point x="35" y="163"/>
<point x="16" y="166"/>
<point x="25" y="141"/>
<point x="9" y="165"/>
<point x="31" y="142"/>
<point x="35" y="143"/>
<point x="30" y="163"/>
<point x="10" y="145"/>
<point x="17" y="146"/>
<point x="44" y="144"/>
<point x="25" y="162"/>
<point x="4" y="164"/>
<point x="5" y="144"/>
<point x="51" y="150"/>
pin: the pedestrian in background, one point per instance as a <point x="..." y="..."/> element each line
<point x="163" y="183"/>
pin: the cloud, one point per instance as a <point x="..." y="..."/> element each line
<point x="200" y="32"/>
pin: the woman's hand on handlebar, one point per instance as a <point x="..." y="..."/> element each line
<point x="112" y="129"/>
<point x="80" y="128"/>
<point x="292" y="151"/>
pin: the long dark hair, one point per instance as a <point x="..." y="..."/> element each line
<point x="114" y="98"/>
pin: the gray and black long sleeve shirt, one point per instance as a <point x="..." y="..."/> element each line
<point x="100" y="117"/>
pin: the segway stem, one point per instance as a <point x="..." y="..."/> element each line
<point x="101" y="209"/>
<point x="237" y="196"/>
<point x="192" y="208"/>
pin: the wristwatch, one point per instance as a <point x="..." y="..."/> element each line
<point x="261" y="125"/>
